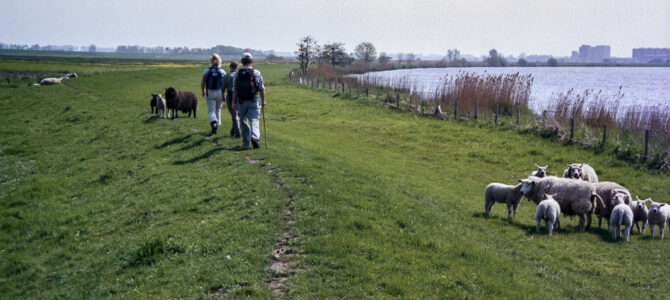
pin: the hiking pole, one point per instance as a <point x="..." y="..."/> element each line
<point x="265" y="131"/>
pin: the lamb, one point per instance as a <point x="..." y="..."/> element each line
<point x="550" y="211"/>
<point x="540" y="172"/>
<point x="580" y="171"/>
<point x="607" y="190"/>
<point x="575" y="197"/>
<point x="179" y="100"/>
<point x="659" y="214"/>
<point x="161" y="107"/>
<point x="502" y="193"/>
<point x="640" y="213"/>
<point x="622" y="214"/>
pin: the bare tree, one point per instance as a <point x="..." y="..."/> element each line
<point x="307" y="52"/>
<point x="366" y="52"/>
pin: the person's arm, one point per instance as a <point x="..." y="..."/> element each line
<point x="202" y="84"/>
<point x="262" y="93"/>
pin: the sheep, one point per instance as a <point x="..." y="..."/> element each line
<point x="607" y="190"/>
<point x="152" y="103"/>
<point x="161" y="107"/>
<point x="502" y="193"/>
<point x="659" y="214"/>
<point x="622" y="214"/>
<point x="53" y="80"/>
<point x="575" y="197"/>
<point x="580" y="171"/>
<point x="540" y="172"/>
<point x="550" y="211"/>
<point x="640" y="213"/>
<point x="184" y="101"/>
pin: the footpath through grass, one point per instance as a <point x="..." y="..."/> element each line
<point x="98" y="198"/>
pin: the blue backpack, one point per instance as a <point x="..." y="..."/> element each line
<point x="214" y="79"/>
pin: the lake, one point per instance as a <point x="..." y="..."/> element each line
<point x="641" y="86"/>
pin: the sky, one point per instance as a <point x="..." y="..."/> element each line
<point x="474" y="27"/>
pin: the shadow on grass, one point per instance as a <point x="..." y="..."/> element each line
<point x="151" y="119"/>
<point x="209" y="154"/>
<point x="175" y="141"/>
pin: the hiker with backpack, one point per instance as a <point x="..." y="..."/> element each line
<point x="247" y="86"/>
<point x="211" y="83"/>
<point x="228" y="88"/>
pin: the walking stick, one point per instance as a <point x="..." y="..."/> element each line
<point x="265" y="131"/>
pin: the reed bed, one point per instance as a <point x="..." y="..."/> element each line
<point x="600" y="120"/>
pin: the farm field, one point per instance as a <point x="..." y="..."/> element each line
<point x="98" y="198"/>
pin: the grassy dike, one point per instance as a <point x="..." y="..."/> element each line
<point x="98" y="198"/>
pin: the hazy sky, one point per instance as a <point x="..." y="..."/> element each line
<point x="426" y="26"/>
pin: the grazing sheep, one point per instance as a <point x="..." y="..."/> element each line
<point x="640" y="214"/>
<point x="540" y="172"/>
<point x="575" y="197"/>
<point x="502" y="193"/>
<point x="184" y="101"/>
<point x="550" y="211"/>
<point x="580" y="171"/>
<point x="659" y="214"/>
<point x="622" y="214"/>
<point x="70" y="75"/>
<point x="161" y="106"/>
<point x="607" y="190"/>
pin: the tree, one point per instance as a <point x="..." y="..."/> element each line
<point x="453" y="55"/>
<point x="366" y="52"/>
<point x="334" y="54"/>
<point x="552" y="62"/>
<point x="400" y="57"/>
<point x="92" y="48"/>
<point x="495" y="59"/>
<point x="410" y="58"/>
<point x="522" y="62"/>
<point x="307" y="53"/>
<point x="383" y="58"/>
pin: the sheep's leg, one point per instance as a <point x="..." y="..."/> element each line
<point x="537" y="226"/>
<point x="600" y="221"/>
<point x="644" y="226"/>
<point x="509" y="211"/>
<point x="588" y="222"/>
<point x="558" y="224"/>
<point x="651" y="228"/>
<point x="550" y="227"/>
<point x="515" y="207"/>
<point x="487" y="207"/>
<point x="613" y="231"/>
<point x="627" y="231"/>
<point x="637" y="225"/>
<point x="581" y="223"/>
<point x="661" y="228"/>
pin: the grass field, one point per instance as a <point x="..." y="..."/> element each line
<point x="98" y="198"/>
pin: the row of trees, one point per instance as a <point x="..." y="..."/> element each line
<point x="220" y="49"/>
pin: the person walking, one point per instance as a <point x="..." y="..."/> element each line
<point x="247" y="86"/>
<point x="211" y="83"/>
<point x="228" y="88"/>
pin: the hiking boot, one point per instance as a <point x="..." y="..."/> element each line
<point x="254" y="143"/>
<point x="214" y="127"/>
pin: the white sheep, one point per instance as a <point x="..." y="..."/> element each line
<point x="640" y="214"/>
<point x="659" y="214"/>
<point x="502" y="193"/>
<point x="576" y="197"/>
<point x="607" y="190"/>
<point x="53" y="80"/>
<point x="540" y="172"/>
<point x="550" y="211"/>
<point x="622" y="214"/>
<point x="580" y="171"/>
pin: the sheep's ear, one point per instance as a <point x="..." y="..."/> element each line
<point x="520" y="181"/>
<point x="536" y="166"/>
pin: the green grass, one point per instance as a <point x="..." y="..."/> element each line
<point x="98" y="198"/>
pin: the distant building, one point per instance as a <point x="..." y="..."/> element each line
<point x="597" y="54"/>
<point x="647" y="55"/>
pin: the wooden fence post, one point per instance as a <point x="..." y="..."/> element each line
<point x="455" y="110"/>
<point x="497" y="110"/>
<point x="366" y="93"/>
<point x="572" y="129"/>
<point x="604" y="134"/>
<point x="349" y="90"/>
<point x="397" y="99"/>
<point x="342" y="87"/>
<point x="544" y="119"/>
<point x="376" y="89"/>
<point x="518" y="116"/>
<point x="423" y="106"/>
<point x="475" y="110"/>
<point x="388" y="96"/>
<point x="317" y="83"/>
<point x="646" y="145"/>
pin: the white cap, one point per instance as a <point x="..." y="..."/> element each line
<point x="246" y="55"/>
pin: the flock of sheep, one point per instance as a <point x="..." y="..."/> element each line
<point x="579" y="193"/>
